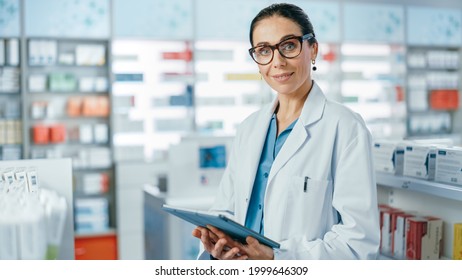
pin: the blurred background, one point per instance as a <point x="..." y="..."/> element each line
<point x="144" y="97"/>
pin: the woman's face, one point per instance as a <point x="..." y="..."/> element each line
<point x="285" y="76"/>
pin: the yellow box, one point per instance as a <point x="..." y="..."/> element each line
<point x="457" y="247"/>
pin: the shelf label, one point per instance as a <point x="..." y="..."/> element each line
<point x="406" y="184"/>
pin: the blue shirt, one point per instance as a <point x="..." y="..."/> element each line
<point x="272" y="146"/>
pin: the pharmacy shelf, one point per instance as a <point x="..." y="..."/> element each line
<point x="418" y="185"/>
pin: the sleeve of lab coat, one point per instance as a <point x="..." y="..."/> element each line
<point x="357" y="236"/>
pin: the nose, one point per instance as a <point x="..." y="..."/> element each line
<point x="278" y="59"/>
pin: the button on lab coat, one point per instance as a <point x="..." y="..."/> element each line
<point x="335" y="216"/>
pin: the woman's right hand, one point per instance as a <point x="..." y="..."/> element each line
<point x="218" y="244"/>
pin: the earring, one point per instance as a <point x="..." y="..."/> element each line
<point x="314" y="66"/>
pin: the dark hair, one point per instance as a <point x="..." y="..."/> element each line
<point x="285" y="10"/>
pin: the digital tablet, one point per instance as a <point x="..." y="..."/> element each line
<point x="228" y="226"/>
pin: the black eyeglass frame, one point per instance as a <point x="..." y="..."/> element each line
<point x="276" y="46"/>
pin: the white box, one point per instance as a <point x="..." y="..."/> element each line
<point x="101" y="133"/>
<point x="419" y="161"/>
<point x="101" y="84"/>
<point x="91" y="206"/>
<point x="86" y="134"/>
<point x="449" y="165"/>
<point x="389" y="156"/>
<point x="90" y="55"/>
<point x="37" y="83"/>
<point x="87" y="84"/>
<point x="13" y="52"/>
<point x="383" y="152"/>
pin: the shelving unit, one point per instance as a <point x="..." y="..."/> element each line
<point x="372" y="84"/>
<point x="433" y="89"/>
<point x="67" y="101"/>
<point x="10" y="99"/>
<point x="153" y="94"/>
<point x="228" y="87"/>
<point x="425" y="198"/>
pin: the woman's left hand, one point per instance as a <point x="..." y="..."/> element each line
<point x="253" y="249"/>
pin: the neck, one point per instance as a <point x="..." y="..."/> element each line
<point x="290" y="107"/>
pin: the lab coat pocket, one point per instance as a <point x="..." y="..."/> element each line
<point x="305" y="204"/>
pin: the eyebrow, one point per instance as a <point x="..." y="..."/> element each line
<point x="282" y="39"/>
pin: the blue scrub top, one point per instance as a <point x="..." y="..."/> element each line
<point x="272" y="146"/>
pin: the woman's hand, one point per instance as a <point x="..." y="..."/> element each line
<point x="223" y="247"/>
<point x="218" y="244"/>
<point x="256" y="251"/>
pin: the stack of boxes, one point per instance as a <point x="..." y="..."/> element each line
<point x="91" y="215"/>
<point x="408" y="235"/>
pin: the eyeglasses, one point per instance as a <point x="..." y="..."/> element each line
<point x="288" y="48"/>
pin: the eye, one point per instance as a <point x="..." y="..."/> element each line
<point x="263" y="51"/>
<point x="288" y="46"/>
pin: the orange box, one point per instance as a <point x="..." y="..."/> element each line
<point x="102" y="247"/>
<point x="74" y="106"/>
<point x="40" y="134"/>
<point x="444" y="99"/>
<point x="57" y="133"/>
<point x="89" y="106"/>
<point x="95" y="106"/>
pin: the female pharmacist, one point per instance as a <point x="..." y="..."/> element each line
<point x="300" y="171"/>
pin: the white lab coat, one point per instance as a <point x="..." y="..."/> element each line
<point x="332" y="146"/>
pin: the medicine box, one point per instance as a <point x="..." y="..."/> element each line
<point x="389" y="156"/>
<point x="448" y="167"/>
<point x="457" y="245"/>
<point x="419" y="161"/>
<point x="91" y="215"/>
<point x="383" y="153"/>
<point x="386" y="246"/>
<point x="423" y="238"/>
<point x="398" y="224"/>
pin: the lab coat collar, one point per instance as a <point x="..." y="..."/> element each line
<point x="314" y="106"/>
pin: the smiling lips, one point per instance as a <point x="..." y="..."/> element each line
<point x="282" y="77"/>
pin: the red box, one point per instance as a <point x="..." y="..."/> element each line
<point x="102" y="247"/>
<point x="40" y="134"/>
<point x="424" y="238"/>
<point x="444" y="99"/>
<point x="57" y="133"/>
